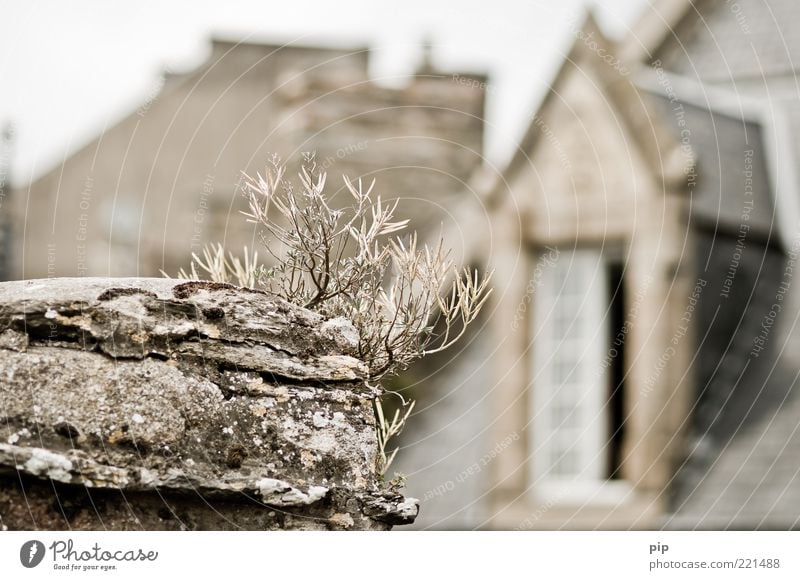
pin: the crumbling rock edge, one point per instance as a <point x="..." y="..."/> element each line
<point x="133" y="318"/>
<point x="191" y="390"/>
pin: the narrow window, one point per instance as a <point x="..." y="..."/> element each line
<point x="578" y="372"/>
<point x="616" y="383"/>
<point x="570" y="341"/>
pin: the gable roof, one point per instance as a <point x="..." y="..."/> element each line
<point x="655" y="25"/>
<point x="725" y="135"/>
<point x="655" y="142"/>
<point x="742" y="41"/>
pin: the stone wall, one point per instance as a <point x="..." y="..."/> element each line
<point x="160" y="404"/>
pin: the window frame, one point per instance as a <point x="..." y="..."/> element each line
<point x="577" y="284"/>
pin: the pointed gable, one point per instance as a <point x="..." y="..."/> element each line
<point x="593" y="148"/>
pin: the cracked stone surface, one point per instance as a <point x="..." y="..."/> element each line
<point x="162" y="404"/>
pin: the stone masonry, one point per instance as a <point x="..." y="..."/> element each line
<point x="160" y="404"/>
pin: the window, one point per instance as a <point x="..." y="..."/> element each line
<point x="577" y="402"/>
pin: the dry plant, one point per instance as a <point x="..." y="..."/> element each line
<point x="342" y="262"/>
<point x="221" y="268"/>
<point x="387" y="430"/>
<point x="406" y="300"/>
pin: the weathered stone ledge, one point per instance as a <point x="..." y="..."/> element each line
<point x="216" y="399"/>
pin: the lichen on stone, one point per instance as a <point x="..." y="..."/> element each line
<point x="200" y="396"/>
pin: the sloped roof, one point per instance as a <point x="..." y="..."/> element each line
<point x="719" y="40"/>
<point x="726" y="139"/>
<point x="755" y="483"/>
<point x="724" y="124"/>
<point x="655" y="25"/>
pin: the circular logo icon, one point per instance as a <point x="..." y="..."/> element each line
<point x="31" y="553"/>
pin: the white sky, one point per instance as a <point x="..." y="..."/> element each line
<point x="67" y="69"/>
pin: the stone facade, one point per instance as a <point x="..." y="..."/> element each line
<point x="164" y="181"/>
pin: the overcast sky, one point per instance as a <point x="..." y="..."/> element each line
<point x="69" y="68"/>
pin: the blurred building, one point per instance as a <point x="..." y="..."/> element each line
<point x="638" y="366"/>
<point x="163" y="182"/>
<point x="591" y="377"/>
<point x="589" y="258"/>
<point x="733" y="68"/>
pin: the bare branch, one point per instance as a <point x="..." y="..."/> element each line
<point x="352" y="262"/>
